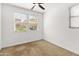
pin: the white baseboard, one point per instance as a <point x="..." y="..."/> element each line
<point x="52" y="42"/>
<point x="18" y="43"/>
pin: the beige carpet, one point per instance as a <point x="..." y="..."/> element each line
<point x="36" y="48"/>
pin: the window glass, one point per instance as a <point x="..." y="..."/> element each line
<point x="33" y="22"/>
<point x="21" y="22"/>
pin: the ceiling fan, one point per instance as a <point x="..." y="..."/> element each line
<point x="39" y="4"/>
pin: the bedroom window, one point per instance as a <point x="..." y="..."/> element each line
<point x="24" y="22"/>
<point x="74" y="17"/>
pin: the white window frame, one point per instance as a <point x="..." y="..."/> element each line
<point x="71" y="23"/>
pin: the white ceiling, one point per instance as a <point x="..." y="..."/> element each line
<point x="47" y="6"/>
<point x="29" y="6"/>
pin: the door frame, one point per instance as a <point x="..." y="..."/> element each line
<point x="0" y="25"/>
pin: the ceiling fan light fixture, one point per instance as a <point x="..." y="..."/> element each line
<point x="38" y="4"/>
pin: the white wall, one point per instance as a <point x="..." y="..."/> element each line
<point x="9" y="37"/>
<point x="56" y="27"/>
<point x="0" y="25"/>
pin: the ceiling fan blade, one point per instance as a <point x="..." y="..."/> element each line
<point x="41" y="7"/>
<point x="33" y="7"/>
<point x="34" y="3"/>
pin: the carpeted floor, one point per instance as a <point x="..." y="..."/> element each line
<point x="36" y="48"/>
